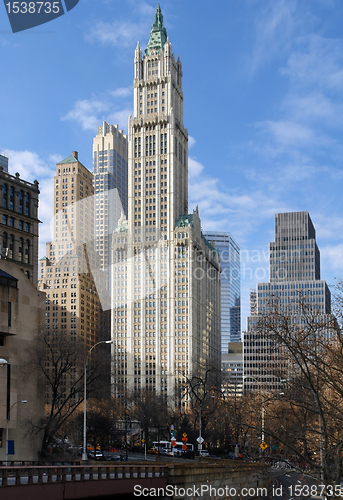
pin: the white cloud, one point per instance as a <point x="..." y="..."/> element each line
<point x="145" y="9"/>
<point x="55" y="158"/>
<point x="120" y="118"/>
<point x="332" y="257"/>
<point x="314" y="106"/>
<point x="122" y="92"/>
<point x="112" y="106"/>
<point x="317" y="61"/>
<point x="311" y="113"/>
<point x="86" y="112"/>
<point x="274" y="27"/>
<point x="286" y="132"/>
<point x="194" y="168"/>
<point x="191" y="142"/>
<point x="27" y="164"/>
<point x="329" y="227"/>
<point x="117" y="33"/>
<point x="224" y="208"/>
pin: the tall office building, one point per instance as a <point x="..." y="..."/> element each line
<point x="166" y="275"/>
<point x="294" y="256"/>
<point x="70" y="273"/>
<point x="294" y="269"/>
<point x="110" y="187"/>
<point x="19" y="223"/>
<point x="229" y="253"/>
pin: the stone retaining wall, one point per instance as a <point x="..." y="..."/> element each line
<point x="218" y="479"/>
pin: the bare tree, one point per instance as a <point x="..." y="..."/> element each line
<point x="200" y="395"/>
<point x="310" y="345"/>
<point x="60" y="359"/>
<point x="152" y="411"/>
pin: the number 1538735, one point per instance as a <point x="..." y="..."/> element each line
<point x="33" y="7"/>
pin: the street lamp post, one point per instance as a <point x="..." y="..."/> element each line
<point x="84" y="453"/>
<point x="200" y="437"/>
<point x="7" y="421"/>
<point x="320" y="446"/>
<point x="4" y="362"/>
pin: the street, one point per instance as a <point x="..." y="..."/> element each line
<point x="295" y="485"/>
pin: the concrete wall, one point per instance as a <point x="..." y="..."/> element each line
<point x="27" y="318"/>
<point x="218" y="474"/>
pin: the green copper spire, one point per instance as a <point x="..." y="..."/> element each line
<point x="158" y="34"/>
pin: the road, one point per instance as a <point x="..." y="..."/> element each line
<point x="291" y="485"/>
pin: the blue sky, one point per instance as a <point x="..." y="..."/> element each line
<point x="263" y="94"/>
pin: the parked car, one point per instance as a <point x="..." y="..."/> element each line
<point x="97" y="456"/>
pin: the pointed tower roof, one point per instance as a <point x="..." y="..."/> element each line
<point x="73" y="158"/>
<point x="158" y="34"/>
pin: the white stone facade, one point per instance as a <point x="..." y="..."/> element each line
<point x="165" y="275"/>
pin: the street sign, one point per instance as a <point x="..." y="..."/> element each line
<point x="200" y="440"/>
<point x="184" y="439"/>
<point x="184" y="435"/>
<point x="172" y="427"/>
<point x="173" y="433"/>
<point x="263" y="445"/>
<point x="184" y="447"/>
<point x="173" y="443"/>
<point x="143" y="440"/>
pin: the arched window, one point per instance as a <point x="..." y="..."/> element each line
<point x="27" y="204"/>
<point x="21" y="249"/>
<point x="4" y="196"/>
<point x="12" y="198"/>
<point x="27" y="252"/>
<point x="11" y="247"/>
<point x="21" y="202"/>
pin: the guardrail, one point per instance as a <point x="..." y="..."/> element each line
<point x="11" y="476"/>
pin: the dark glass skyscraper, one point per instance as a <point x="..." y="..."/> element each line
<point x="229" y="253"/>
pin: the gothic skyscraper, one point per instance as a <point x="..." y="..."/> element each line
<point x="166" y="275"/>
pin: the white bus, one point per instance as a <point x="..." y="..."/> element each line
<point x="165" y="447"/>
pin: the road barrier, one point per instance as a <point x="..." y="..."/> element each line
<point x="11" y="476"/>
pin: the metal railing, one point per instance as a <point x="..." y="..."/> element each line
<point x="11" y="476"/>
